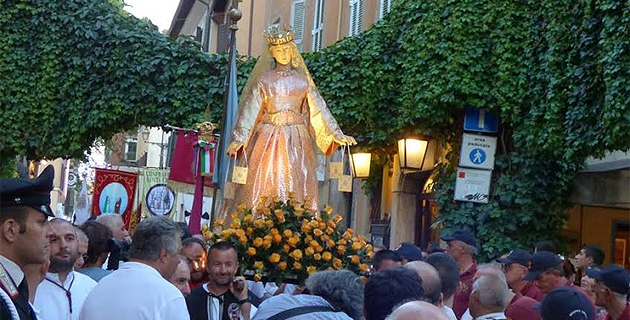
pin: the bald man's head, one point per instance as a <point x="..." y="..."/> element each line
<point x="418" y="310"/>
<point x="115" y="223"/>
<point x="431" y="282"/>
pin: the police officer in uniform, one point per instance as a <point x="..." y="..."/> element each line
<point x="24" y="233"/>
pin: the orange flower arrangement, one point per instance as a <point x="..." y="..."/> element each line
<point x="286" y="242"/>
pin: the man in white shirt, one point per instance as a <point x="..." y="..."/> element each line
<point x="61" y="294"/>
<point x="139" y="289"/>
<point x="489" y="297"/>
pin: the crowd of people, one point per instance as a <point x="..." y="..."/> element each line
<point x="54" y="270"/>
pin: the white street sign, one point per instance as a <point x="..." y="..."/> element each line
<point x="477" y="151"/>
<point x="472" y="185"/>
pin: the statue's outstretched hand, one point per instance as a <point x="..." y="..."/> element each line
<point x="346" y="140"/>
<point x="234" y="148"/>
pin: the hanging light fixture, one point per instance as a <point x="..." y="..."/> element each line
<point x="412" y="153"/>
<point x="361" y="164"/>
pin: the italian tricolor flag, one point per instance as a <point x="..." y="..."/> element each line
<point x="205" y="155"/>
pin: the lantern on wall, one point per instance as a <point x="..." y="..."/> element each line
<point x="412" y="153"/>
<point x="360" y="164"/>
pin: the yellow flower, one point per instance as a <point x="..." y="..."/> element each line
<point x="250" y="231"/>
<point x="281" y="219"/>
<point x="317" y="232"/>
<point x="299" y="211"/>
<point x="363" y="267"/>
<point x="274" y="231"/>
<point x="319" y="249"/>
<point x="257" y="277"/>
<point x="278" y="213"/>
<point x="251" y="251"/>
<point x="293" y="202"/>
<point x="282" y="265"/>
<point x="314" y="244"/>
<point x="241" y="208"/>
<point x="325" y="238"/>
<point x="342" y="242"/>
<point x="336" y="263"/>
<point x="328" y="210"/>
<point x="291" y="194"/>
<point x="268" y="238"/>
<point x="308" y="239"/>
<point x="313" y="224"/>
<point x="277" y="238"/>
<point x="274" y="258"/>
<point x="317" y="256"/>
<point x="297" y="265"/>
<point x="322" y="226"/>
<point x="286" y="248"/>
<point x="267" y="245"/>
<point x="330" y="230"/>
<point x="369" y="248"/>
<point x="331" y="224"/>
<point x="218" y="223"/>
<point x="242" y="240"/>
<point x="269" y="223"/>
<point x="248" y="218"/>
<point x="297" y="254"/>
<point x="337" y="218"/>
<point x="258" y="265"/>
<point x="309" y="251"/>
<point x="240" y="233"/>
<point x="355" y="239"/>
<point x="341" y="249"/>
<point x="356" y="246"/>
<point x="259" y="223"/>
<point x="204" y="228"/>
<point x="292" y="241"/>
<point x="225" y="234"/>
<point x="370" y="254"/>
<point x="266" y="211"/>
<point x="327" y="256"/>
<point x="236" y="224"/>
<point x="311" y="269"/>
<point x="306" y="228"/>
<point x="330" y="243"/>
<point x="258" y="242"/>
<point x="288" y="233"/>
<point x="355" y="259"/>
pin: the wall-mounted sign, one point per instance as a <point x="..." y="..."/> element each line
<point x="480" y="120"/>
<point x="472" y="185"/>
<point x="477" y="151"/>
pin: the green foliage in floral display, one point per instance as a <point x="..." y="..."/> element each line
<point x="557" y="73"/>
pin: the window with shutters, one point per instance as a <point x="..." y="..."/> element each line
<point x="131" y="145"/>
<point x="356" y="17"/>
<point x="318" y="26"/>
<point x="298" y="9"/>
<point x="199" y="34"/>
<point x="386" y="6"/>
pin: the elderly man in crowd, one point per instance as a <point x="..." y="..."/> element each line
<point x="417" y="310"/>
<point x="388" y="288"/>
<point x="181" y="277"/>
<point x="98" y="249"/>
<point x="386" y="259"/>
<point x="462" y="247"/>
<point x="449" y="277"/>
<point x="565" y="303"/>
<point x="334" y="295"/>
<point x="489" y="297"/>
<point x="82" y="247"/>
<point x="225" y="295"/>
<point x="612" y="291"/>
<point x="431" y="284"/>
<point x="63" y="291"/>
<point x="138" y="289"/>
<point x="547" y="273"/>
<point x="515" y="268"/>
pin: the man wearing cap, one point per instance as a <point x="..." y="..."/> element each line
<point x="566" y="303"/>
<point x="24" y="212"/>
<point x="409" y="252"/>
<point x="462" y="247"/>
<point x="612" y="290"/>
<point x="515" y="265"/>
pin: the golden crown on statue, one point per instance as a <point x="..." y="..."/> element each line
<point x="277" y="35"/>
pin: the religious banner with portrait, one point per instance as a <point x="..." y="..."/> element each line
<point x="114" y="193"/>
<point x="158" y="199"/>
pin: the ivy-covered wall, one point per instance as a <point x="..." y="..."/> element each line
<point x="556" y="72"/>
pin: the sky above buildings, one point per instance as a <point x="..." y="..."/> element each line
<point x="160" y="12"/>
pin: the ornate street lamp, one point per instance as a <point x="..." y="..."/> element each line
<point x="145" y="133"/>
<point x="412" y="153"/>
<point x="361" y="164"/>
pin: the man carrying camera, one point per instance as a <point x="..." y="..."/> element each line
<point x="119" y="243"/>
<point x="224" y="297"/>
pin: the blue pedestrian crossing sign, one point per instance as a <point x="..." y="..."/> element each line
<point x="477" y="151"/>
<point x="477" y="156"/>
<point x="480" y="120"/>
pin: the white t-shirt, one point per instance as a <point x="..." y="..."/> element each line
<point x="52" y="301"/>
<point x="449" y="312"/>
<point x="135" y="291"/>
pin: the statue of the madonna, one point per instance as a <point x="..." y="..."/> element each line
<point x="280" y="115"/>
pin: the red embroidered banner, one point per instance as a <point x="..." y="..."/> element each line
<point x="183" y="168"/>
<point x="114" y="192"/>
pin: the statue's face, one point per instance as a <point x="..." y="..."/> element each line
<point x="282" y="53"/>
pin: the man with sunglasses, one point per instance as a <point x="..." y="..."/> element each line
<point x="24" y="232"/>
<point x="63" y="291"/>
<point x="547" y="274"/>
<point x="515" y="265"/>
